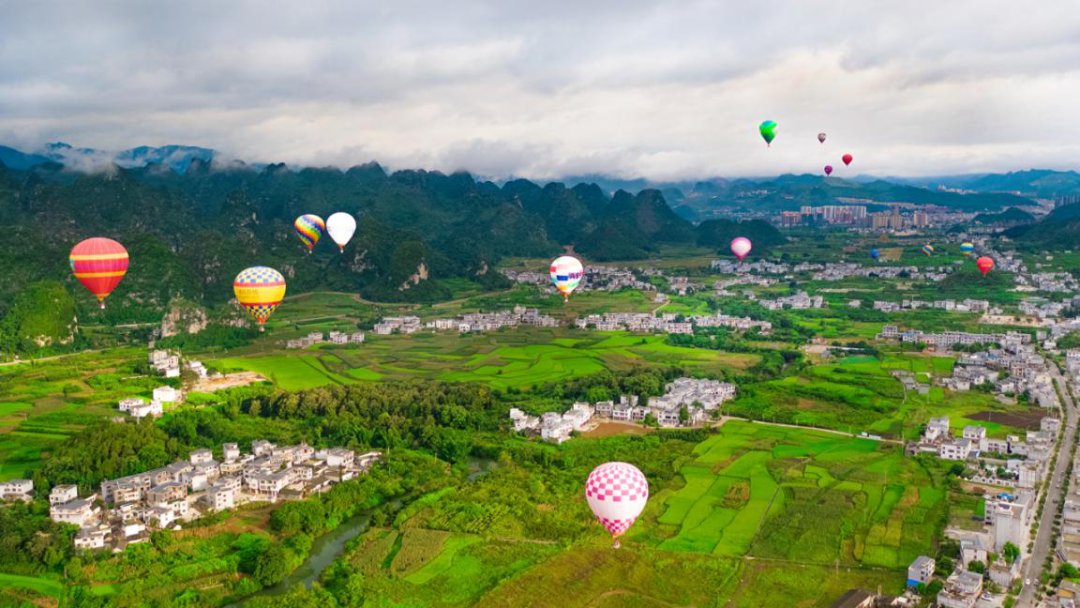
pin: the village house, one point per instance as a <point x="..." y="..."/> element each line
<point x="17" y="489"/>
<point x="920" y="571"/>
<point x="962" y="590"/>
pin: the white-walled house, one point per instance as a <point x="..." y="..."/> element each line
<point x="166" y="394"/>
<point x="17" y="489"/>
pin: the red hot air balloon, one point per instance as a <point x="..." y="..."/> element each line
<point x="985" y="264"/>
<point x="99" y="264"/>
<point x="828" y="169"/>
<point x="847" y="158"/>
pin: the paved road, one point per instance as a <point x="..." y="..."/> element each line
<point x="1058" y="483"/>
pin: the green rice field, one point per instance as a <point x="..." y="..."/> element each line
<point x="517" y="358"/>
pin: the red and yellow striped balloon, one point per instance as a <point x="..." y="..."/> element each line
<point x="99" y="264"/>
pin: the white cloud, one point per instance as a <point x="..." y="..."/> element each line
<point x="658" y="89"/>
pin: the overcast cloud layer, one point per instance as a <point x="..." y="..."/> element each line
<point x="630" y="88"/>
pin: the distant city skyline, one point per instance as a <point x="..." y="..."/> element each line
<point x="664" y="91"/>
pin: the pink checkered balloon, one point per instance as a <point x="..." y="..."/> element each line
<point x="616" y="493"/>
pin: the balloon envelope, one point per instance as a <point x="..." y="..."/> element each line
<point x="875" y="253"/>
<point x="741" y="246"/>
<point x="828" y="169"/>
<point x="985" y="264"/>
<point x="967" y="248"/>
<point x="616" y="493"/>
<point x="341" y="227"/>
<point x="821" y="137"/>
<point x="310" y="229"/>
<point x="259" y="289"/>
<point x="566" y="273"/>
<point x="768" y="131"/>
<point x="99" y="264"/>
<point x="847" y="158"/>
<point x="928" y="249"/>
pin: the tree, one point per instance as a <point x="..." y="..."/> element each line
<point x="1011" y="552"/>
<point x="943" y="567"/>
<point x="977" y="566"/>
<point x="1067" y="570"/>
<point x="272" y="565"/>
<point x="934" y="587"/>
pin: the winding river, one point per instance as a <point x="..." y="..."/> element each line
<point x="331" y="545"/>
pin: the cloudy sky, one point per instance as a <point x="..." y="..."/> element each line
<point x="630" y="88"/>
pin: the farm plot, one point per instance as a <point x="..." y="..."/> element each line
<point x="803" y="496"/>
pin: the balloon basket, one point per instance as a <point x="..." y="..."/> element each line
<point x="262" y="328"/>
<point x="616" y="545"/>
<point x="102" y="304"/>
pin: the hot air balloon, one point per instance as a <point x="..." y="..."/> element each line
<point x="741" y="247"/>
<point x="310" y="228"/>
<point x="99" y="264"/>
<point x="828" y="169"/>
<point x="985" y="264"/>
<point x="768" y="131"/>
<point x="616" y="493"/>
<point x="847" y="158"/>
<point x="928" y="249"/>
<point x="874" y="253"/>
<point x="821" y="137"/>
<point x="259" y="289"/>
<point x="967" y="248"/>
<point x="341" y="227"/>
<point x="566" y="272"/>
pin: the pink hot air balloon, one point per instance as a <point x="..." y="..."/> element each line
<point x="828" y="169"/>
<point x="847" y="158"/>
<point x="741" y="247"/>
<point x="616" y="493"/>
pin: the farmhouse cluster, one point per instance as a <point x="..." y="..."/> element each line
<point x="137" y="407"/>
<point x="127" y="509"/>
<point x="333" y="337"/>
<point x="685" y="402"/>
<point x="667" y="323"/>
<point x="469" y="322"/>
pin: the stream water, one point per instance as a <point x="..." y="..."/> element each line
<point x="331" y="545"/>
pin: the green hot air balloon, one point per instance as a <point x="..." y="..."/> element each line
<point x="768" y="131"/>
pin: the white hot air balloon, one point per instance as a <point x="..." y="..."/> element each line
<point x="566" y="273"/>
<point x="741" y="247"/>
<point x="341" y="227"/>
<point x="616" y="493"/>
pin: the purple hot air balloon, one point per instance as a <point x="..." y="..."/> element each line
<point x="828" y="169"/>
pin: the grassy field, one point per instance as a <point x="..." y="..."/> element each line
<point x="10" y="583"/>
<point x="860" y="394"/>
<point x="519" y="358"/>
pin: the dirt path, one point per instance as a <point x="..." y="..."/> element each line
<point x="52" y="358"/>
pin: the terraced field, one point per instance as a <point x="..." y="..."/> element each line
<point x="519" y="357"/>
<point x="44" y="403"/>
